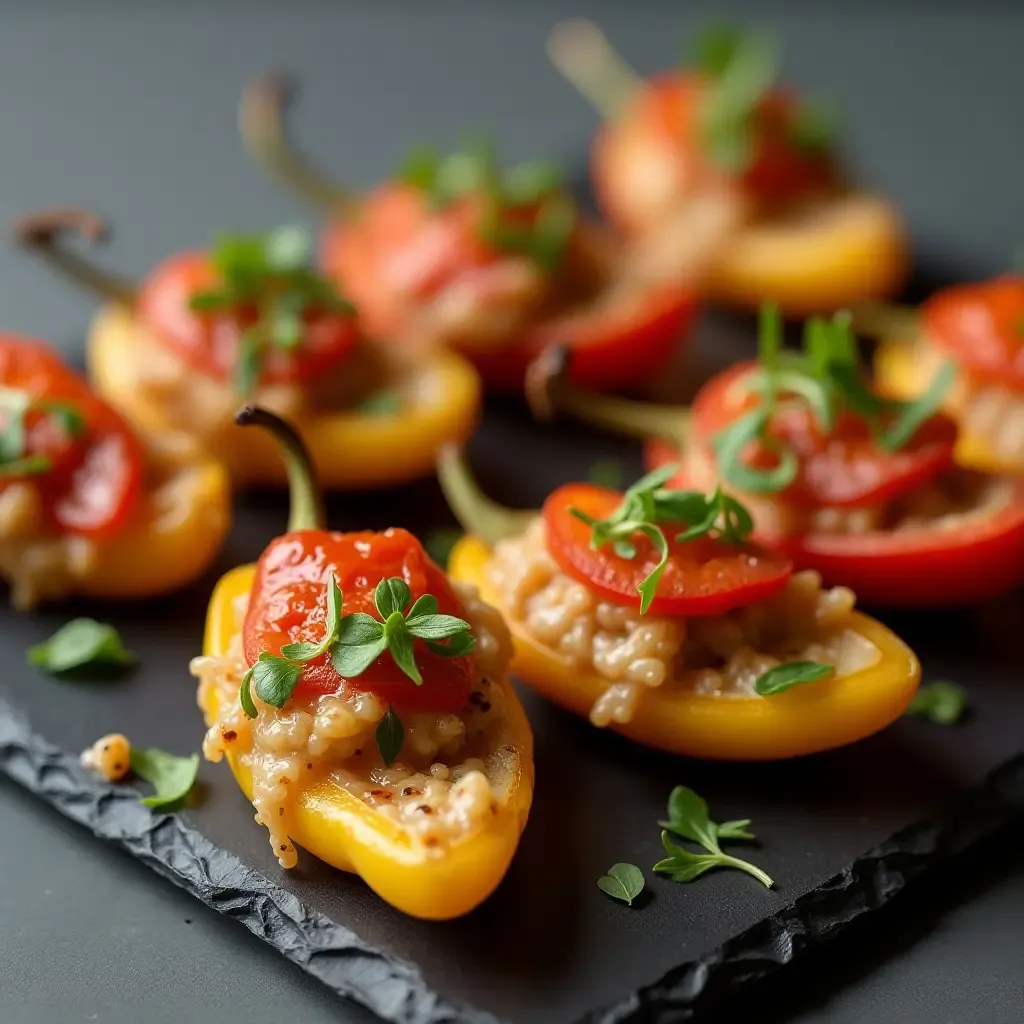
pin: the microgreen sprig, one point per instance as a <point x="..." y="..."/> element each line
<point x="15" y="405"/>
<point x="473" y="170"/>
<point x="356" y="641"/>
<point x="271" y="274"/>
<point x="688" y="818"/>
<point x="647" y="504"/>
<point x="825" y="377"/>
<point x="742" y="68"/>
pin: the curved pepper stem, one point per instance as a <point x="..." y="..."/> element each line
<point x="882" y="320"/>
<point x="579" y="50"/>
<point x="307" y="504"/>
<point x="264" y="130"/>
<point x="548" y="393"/>
<point x="42" y="230"/>
<point x="476" y="513"/>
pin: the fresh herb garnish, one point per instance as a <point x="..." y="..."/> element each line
<point x="812" y="127"/>
<point x="356" y="641"/>
<point x="606" y="473"/>
<point x="473" y="170"/>
<point x="647" y="503"/>
<point x="172" y="777"/>
<point x="789" y="674"/>
<point x="15" y="405"/>
<point x="623" y="882"/>
<point x="688" y="819"/>
<point x="390" y="737"/>
<point x="826" y="378"/>
<point x="362" y="639"/>
<point x="439" y="543"/>
<point x="383" y="403"/>
<point x="269" y="275"/>
<point x="78" y="643"/>
<point x="941" y="702"/>
<point x="742" y="68"/>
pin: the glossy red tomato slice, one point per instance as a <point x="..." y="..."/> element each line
<point x="289" y="604"/>
<point x="779" y="169"/>
<point x="845" y="469"/>
<point x="920" y="568"/>
<point x="94" y="479"/>
<point x="703" y="577"/>
<point x="210" y="341"/>
<point x="982" y="327"/>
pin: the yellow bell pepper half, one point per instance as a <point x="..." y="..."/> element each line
<point x="896" y="374"/>
<point x="348" y="834"/>
<point x="804" y="720"/>
<point x="351" y="450"/>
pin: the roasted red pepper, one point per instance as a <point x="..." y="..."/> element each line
<point x="495" y="264"/>
<point x="722" y="140"/>
<point x="840" y="479"/>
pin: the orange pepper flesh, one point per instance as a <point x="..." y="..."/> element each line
<point x="348" y="834"/>
<point x="804" y="720"/>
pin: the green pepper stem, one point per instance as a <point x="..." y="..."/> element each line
<point x="264" y="130"/>
<point x="579" y="50"/>
<point x="548" y="393"/>
<point x="42" y="230"/>
<point x="476" y="513"/>
<point x="886" y="322"/>
<point x="306" y="498"/>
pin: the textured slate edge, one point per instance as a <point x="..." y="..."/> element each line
<point x="690" y="990"/>
<point x="391" y="988"/>
<point x="394" y="989"/>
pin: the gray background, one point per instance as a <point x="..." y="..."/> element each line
<point x="130" y="108"/>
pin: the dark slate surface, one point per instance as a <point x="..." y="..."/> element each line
<point x="134" y="114"/>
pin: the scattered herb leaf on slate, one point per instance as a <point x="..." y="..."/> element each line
<point x="688" y="818"/>
<point x="171" y="777"/>
<point x="941" y="702"/>
<point x="623" y="882"/>
<point x="78" y="643"/>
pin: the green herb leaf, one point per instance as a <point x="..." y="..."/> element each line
<point x="390" y="737"/>
<point x="250" y="359"/>
<point x="688" y="818"/>
<point x="288" y="249"/>
<point x="789" y="674"/>
<point x="624" y="882"/>
<point x="456" y="647"/>
<point x="748" y="66"/>
<point x="359" y="629"/>
<point x="308" y="651"/>
<point x="531" y="181"/>
<point x="419" y="169"/>
<point x="715" y="48"/>
<point x="78" y="643"/>
<point x="606" y="473"/>
<point x="916" y="413"/>
<point x="274" y="679"/>
<point x="384" y="403"/>
<point x="351" y="660"/>
<point x="31" y="465"/>
<point x="171" y="777"/>
<point x="400" y="644"/>
<point x="67" y="417"/>
<point x="429" y="626"/>
<point x="245" y="694"/>
<point x="729" y="445"/>
<point x="646" y="504"/>
<point x="440" y="542"/>
<point x="941" y="702"/>
<point x="391" y="596"/>
<point x="812" y="127"/>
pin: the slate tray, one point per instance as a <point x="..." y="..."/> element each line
<point x="842" y="833"/>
